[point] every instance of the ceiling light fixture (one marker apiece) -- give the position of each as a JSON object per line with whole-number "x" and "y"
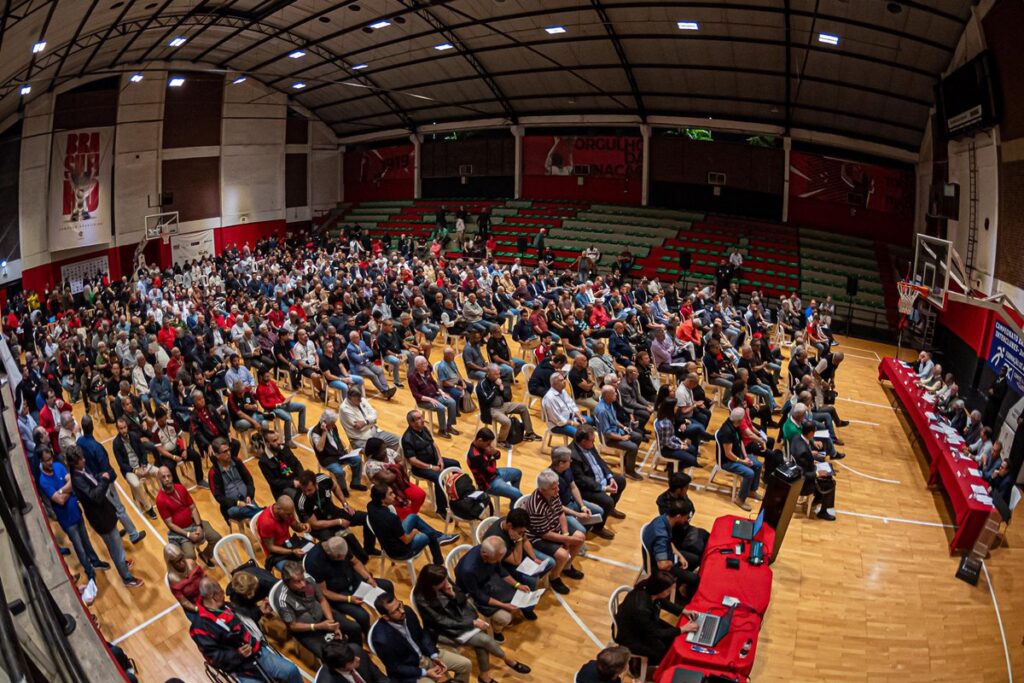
{"x": 828, "y": 39}
{"x": 135, "y": 78}
{"x": 555, "y": 30}
{"x": 240, "y": 79}
{"x": 383, "y": 23}
{"x": 178, "y": 41}
{"x": 39, "y": 47}
{"x": 443, "y": 46}
{"x": 298, "y": 86}
{"x": 357, "y": 67}
{"x": 298, "y": 54}
{"x": 176, "y": 81}
{"x": 688, "y": 25}
{"x": 26, "y": 89}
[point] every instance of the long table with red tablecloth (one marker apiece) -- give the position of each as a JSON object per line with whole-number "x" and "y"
{"x": 750, "y": 584}
{"x": 952, "y": 471}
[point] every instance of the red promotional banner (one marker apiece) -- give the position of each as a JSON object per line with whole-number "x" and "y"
{"x": 606, "y": 156}
{"x": 851, "y": 183}
{"x": 381, "y": 173}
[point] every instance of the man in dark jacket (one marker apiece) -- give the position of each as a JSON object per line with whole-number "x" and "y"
{"x": 228, "y": 645}
{"x": 231, "y": 484}
{"x": 279, "y": 466}
{"x": 817, "y": 482}
{"x": 540, "y": 380}
{"x": 91, "y": 492}
{"x": 343, "y": 661}
{"x": 595, "y": 480}
{"x": 408, "y": 651}
{"x": 496, "y": 404}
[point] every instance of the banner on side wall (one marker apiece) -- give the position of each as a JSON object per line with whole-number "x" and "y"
{"x": 1007, "y": 351}
{"x": 81, "y": 197}
{"x": 78, "y": 272}
{"x": 851, "y": 183}
{"x": 606, "y": 156}
{"x": 192, "y": 246}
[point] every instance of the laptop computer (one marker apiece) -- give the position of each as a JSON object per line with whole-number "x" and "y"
{"x": 746, "y": 530}
{"x": 711, "y": 628}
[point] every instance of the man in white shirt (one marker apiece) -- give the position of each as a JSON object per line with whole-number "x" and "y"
{"x": 142, "y": 373}
{"x": 359, "y": 420}
{"x": 561, "y": 413}
{"x": 305, "y": 356}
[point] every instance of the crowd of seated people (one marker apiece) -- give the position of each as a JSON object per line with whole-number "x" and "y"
{"x": 213, "y": 362}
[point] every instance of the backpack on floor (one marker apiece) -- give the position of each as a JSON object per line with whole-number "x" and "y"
{"x": 464, "y": 498}
{"x": 516, "y": 431}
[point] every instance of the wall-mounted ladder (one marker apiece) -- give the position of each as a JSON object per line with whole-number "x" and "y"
{"x": 972, "y": 208}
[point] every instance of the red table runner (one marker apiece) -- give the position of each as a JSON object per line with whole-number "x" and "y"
{"x": 946, "y": 467}
{"x": 750, "y": 584}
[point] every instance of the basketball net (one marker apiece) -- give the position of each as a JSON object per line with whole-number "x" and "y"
{"x": 909, "y": 292}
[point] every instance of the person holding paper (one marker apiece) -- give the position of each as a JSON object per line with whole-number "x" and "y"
{"x": 818, "y": 482}
{"x": 549, "y": 531}
{"x": 321, "y": 504}
{"x": 306, "y": 612}
{"x": 485, "y": 578}
{"x": 345, "y": 582}
{"x": 448, "y": 611}
{"x": 512, "y": 529}
{"x": 408, "y": 651}
{"x": 274, "y": 526}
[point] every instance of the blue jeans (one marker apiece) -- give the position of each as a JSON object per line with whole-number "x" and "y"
{"x": 506, "y": 484}
{"x": 112, "y": 539}
{"x": 243, "y": 512}
{"x": 343, "y": 387}
{"x": 512, "y": 371}
{"x": 395, "y": 362}
{"x": 433, "y": 476}
{"x": 751, "y": 475}
{"x": 429, "y": 330}
{"x": 245, "y": 425}
{"x": 765, "y": 393}
{"x": 276, "y": 667}
{"x": 532, "y": 581}
{"x": 284, "y": 410}
{"x": 79, "y": 537}
{"x": 686, "y": 458}
{"x": 447, "y": 407}
{"x": 354, "y": 463}
{"x": 577, "y": 525}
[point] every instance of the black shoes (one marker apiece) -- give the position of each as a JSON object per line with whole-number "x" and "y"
{"x": 556, "y": 585}
{"x": 572, "y": 573}
{"x": 837, "y": 456}
{"x": 823, "y": 514}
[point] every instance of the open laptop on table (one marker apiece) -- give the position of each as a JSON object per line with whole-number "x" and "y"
{"x": 745, "y": 530}
{"x": 711, "y": 628}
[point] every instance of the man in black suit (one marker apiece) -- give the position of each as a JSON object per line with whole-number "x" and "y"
{"x": 409, "y": 652}
{"x": 595, "y": 480}
{"x": 608, "y": 667}
{"x": 347, "y": 663}
{"x": 819, "y": 483}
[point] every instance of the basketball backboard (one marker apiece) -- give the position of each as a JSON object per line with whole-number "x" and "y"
{"x": 161, "y": 224}
{"x": 933, "y": 260}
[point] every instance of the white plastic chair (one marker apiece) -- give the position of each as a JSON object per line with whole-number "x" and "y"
{"x": 546, "y": 445}
{"x": 521, "y": 503}
{"x": 369, "y": 638}
{"x": 613, "y": 606}
{"x": 645, "y": 555}
{"x": 717, "y": 469}
{"x": 453, "y": 557}
{"x": 385, "y": 558}
{"x": 482, "y": 527}
{"x": 227, "y": 555}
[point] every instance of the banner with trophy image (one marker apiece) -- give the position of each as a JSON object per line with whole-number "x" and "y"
{"x": 81, "y": 197}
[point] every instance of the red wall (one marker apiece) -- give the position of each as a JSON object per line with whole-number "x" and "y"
{"x": 821, "y": 195}
{"x": 973, "y": 324}
{"x": 379, "y": 173}
{"x": 47, "y": 275}
{"x": 616, "y": 167}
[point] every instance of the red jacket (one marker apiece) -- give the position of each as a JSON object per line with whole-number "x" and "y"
{"x": 269, "y": 395}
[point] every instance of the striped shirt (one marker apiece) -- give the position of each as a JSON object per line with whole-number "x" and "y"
{"x": 545, "y": 515}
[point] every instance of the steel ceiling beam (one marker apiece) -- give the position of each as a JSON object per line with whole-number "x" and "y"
{"x": 125, "y": 8}
{"x": 609, "y": 28}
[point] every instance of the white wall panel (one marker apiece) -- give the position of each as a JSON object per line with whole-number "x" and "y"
{"x": 324, "y": 178}
{"x": 33, "y": 185}
{"x": 252, "y": 184}
{"x": 137, "y": 164}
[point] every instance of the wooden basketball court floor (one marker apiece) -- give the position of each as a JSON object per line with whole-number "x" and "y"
{"x": 870, "y": 597}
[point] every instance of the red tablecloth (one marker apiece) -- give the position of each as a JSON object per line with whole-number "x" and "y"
{"x": 750, "y": 584}
{"x": 946, "y": 467}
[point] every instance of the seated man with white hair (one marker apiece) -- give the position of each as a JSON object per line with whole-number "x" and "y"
{"x": 450, "y": 378}
{"x": 360, "y": 360}
{"x": 483, "y": 576}
{"x": 561, "y": 413}
{"x": 306, "y": 612}
{"x": 359, "y": 419}
{"x": 616, "y": 434}
{"x": 428, "y": 396}
{"x": 549, "y": 530}
{"x": 332, "y": 453}
{"x": 734, "y": 458}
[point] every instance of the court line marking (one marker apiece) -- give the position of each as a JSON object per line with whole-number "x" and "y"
{"x": 857, "y": 348}
{"x": 847, "y": 354}
{"x": 148, "y": 622}
{"x": 144, "y": 518}
{"x": 895, "y": 519}
{"x": 863, "y": 422}
{"x": 579, "y": 622}
{"x": 865, "y": 403}
{"x": 610, "y": 561}
{"x": 868, "y": 476}
{"x": 999, "y": 620}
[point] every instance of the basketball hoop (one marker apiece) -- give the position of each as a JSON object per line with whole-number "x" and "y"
{"x": 909, "y": 292}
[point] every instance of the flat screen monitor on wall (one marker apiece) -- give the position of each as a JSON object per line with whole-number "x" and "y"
{"x": 968, "y": 99}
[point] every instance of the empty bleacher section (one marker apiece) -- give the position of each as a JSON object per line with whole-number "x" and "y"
{"x": 777, "y": 259}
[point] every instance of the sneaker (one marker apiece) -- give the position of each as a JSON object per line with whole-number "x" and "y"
{"x": 151, "y": 513}
{"x": 531, "y": 437}
{"x": 447, "y": 539}
{"x": 742, "y": 505}
{"x": 139, "y": 537}
{"x": 134, "y": 583}
{"x": 572, "y": 573}
{"x": 559, "y": 587}
{"x": 838, "y": 455}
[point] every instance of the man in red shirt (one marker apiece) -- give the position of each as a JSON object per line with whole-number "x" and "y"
{"x": 274, "y": 526}
{"x": 167, "y": 336}
{"x": 271, "y": 398}
{"x": 49, "y": 415}
{"x": 184, "y": 525}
